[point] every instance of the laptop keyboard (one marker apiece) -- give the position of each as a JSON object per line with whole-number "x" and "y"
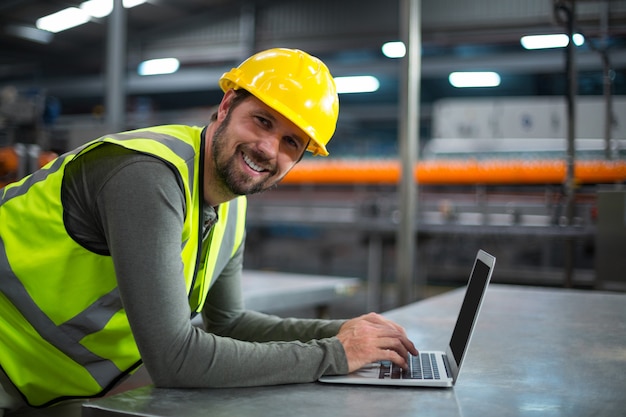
{"x": 422, "y": 366}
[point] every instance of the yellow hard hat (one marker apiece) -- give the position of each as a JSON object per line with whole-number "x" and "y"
{"x": 295, "y": 84}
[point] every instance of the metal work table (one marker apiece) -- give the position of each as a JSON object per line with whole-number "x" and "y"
{"x": 552, "y": 352}
{"x": 275, "y": 291}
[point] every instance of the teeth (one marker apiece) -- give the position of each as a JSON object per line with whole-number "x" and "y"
{"x": 252, "y": 164}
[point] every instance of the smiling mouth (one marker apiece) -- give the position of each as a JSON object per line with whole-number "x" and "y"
{"x": 251, "y": 164}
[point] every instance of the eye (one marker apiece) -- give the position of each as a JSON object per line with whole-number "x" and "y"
{"x": 292, "y": 142}
{"x": 263, "y": 121}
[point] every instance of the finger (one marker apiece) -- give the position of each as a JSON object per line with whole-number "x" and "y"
{"x": 401, "y": 345}
{"x": 411, "y": 347}
{"x": 402, "y": 333}
{"x": 394, "y": 345}
{"x": 396, "y": 358}
{"x": 396, "y": 333}
{"x": 400, "y": 336}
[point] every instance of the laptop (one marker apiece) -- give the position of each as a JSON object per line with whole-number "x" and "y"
{"x": 433, "y": 368}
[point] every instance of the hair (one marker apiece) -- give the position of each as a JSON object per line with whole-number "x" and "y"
{"x": 240, "y": 96}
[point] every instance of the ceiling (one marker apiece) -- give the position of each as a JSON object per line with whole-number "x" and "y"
{"x": 79, "y": 50}
{"x": 210, "y": 36}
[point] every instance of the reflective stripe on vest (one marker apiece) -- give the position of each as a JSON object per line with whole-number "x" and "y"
{"x": 232, "y": 216}
{"x": 49, "y": 356}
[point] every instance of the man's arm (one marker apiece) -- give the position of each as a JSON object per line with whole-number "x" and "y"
{"x": 224, "y": 314}
{"x": 365, "y": 339}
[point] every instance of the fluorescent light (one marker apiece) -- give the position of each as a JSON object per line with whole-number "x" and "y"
{"x": 356, "y": 84}
{"x": 474, "y": 79}
{"x": 132, "y": 3}
{"x": 74, "y": 16}
{"x": 394, "y": 49}
{"x": 578, "y": 39}
{"x": 103, "y": 8}
{"x": 62, "y": 20}
{"x": 158, "y": 66}
{"x": 97, "y": 8}
{"x": 557, "y": 40}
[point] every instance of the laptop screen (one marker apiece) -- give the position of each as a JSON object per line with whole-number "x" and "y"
{"x": 469, "y": 309}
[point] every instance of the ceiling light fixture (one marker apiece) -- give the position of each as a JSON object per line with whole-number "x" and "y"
{"x": 158, "y": 66}
{"x": 474, "y": 79}
{"x": 394, "y": 49}
{"x": 75, "y": 16}
{"x": 63, "y": 20}
{"x": 556, "y": 40}
{"x": 357, "y": 84}
{"x": 132, "y": 3}
{"x": 97, "y": 8}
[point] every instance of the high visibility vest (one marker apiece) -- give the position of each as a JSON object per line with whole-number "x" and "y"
{"x": 63, "y": 331}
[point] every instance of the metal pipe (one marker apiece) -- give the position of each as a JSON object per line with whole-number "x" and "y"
{"x": 607, "y": 83}
{"x": 374, "y": 272}
{"x": 410, "y": 25}
{"x": 247, "y": 29}
{"x": 568, "y": 8}
{"x": 115, "y": 96}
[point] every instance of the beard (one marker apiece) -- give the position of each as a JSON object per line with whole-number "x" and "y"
{"x": 229, "y": 179}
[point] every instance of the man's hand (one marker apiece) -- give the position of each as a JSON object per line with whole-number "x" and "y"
{"x": 372, "y": 338}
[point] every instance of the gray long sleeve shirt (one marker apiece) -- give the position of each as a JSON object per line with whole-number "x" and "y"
{"x": 131, "y": 206}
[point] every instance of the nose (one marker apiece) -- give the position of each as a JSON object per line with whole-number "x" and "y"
{"x": 269, "y": 145}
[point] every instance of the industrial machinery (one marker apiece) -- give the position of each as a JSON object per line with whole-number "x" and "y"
{"x": 24, "y": 117}
{"x": 504, "y": 194}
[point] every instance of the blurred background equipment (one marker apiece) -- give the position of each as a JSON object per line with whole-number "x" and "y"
{"x": 24, "y": 121}
{"x": 521, "y": 145}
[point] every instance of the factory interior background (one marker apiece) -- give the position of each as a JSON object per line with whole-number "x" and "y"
{"x": 492, "y": 161}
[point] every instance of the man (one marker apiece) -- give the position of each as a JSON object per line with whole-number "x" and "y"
{"x": 107, "y": 251}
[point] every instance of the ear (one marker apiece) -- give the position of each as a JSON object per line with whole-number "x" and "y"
{"x": 224, "y": 106}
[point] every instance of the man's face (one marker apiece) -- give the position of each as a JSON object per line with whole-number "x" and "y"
{"x": 254, "y": 147}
